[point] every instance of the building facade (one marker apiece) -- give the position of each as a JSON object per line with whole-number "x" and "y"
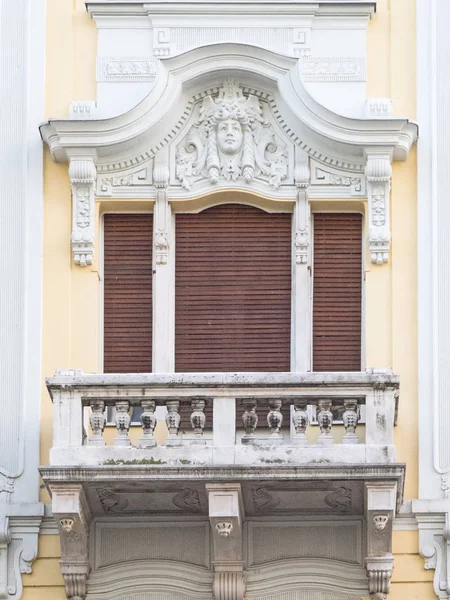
{"x": 225, "y": 321}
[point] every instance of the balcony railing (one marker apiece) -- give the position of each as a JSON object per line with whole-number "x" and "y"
{"x": 224, "y": 418}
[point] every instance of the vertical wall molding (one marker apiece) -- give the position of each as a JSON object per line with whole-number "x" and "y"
{"x": 432, "y": 509}
{"x": 22, "y": 63}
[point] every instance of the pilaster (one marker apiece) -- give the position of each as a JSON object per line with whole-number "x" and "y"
{"x": 301, "y": 266}
{"x": 82, "y": 173}
{"x": 163, "y": 272}
{"x": 378, "y": 177}
{"x": 22, "y": 63}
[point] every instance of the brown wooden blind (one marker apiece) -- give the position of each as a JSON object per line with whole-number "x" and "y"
{"x": 337, "y": 292}
{"x": 233, "y": 290}
{"x": 128, "y": 293}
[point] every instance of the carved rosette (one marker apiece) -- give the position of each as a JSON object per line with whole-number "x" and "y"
{"x": 82, "y": 175}
{"x": 378, "y": 175}
{"x": 231, "y": 141}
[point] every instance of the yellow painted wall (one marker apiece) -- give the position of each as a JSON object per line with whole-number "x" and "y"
{"x": 71, "y": 294}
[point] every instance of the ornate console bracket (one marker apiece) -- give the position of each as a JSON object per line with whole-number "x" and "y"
{"x": 82, "y": 173}
{"x": 19, "y": 530}
{"x": 380, "y": 507}
{"x": 226, "y": 517}
{"x": 378, "y": 176}
{"x": 72, "y": 514}
{"x": 433, "y": 518}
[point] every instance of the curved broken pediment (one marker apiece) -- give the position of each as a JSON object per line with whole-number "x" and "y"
{"x": 229, "y": 116}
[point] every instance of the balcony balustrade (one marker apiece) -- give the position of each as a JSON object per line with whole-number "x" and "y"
{"x": 225, "y": 419}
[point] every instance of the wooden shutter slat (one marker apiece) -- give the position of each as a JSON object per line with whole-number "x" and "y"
{"x": 127, "y": 331}
{"x": 337, "y": 305}
{"x": 233, "y": 290}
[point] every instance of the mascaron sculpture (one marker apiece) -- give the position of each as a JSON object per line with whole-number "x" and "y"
{"x": 231, "y": 140}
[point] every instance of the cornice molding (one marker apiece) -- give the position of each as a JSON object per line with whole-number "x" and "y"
{"x": 311, "y": 8}
{"x": 149, "y": 124}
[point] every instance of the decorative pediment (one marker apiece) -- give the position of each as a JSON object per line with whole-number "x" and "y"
{"x": 230, "y": 116}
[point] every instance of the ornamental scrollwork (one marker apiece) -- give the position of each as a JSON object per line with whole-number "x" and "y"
{"x": 231, "y": 140}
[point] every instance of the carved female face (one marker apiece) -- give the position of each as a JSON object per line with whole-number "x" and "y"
{"x": 229, "y": 136}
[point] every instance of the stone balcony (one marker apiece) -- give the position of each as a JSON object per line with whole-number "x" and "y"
{"x": 224, "y": 419}
{"x": 232, "y": 455}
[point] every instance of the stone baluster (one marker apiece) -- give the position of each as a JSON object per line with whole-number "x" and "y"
{"x": 350, "y": 418}
{"x": 198, "y": 418}
{"x": 300, "y": 421}
{"x": 325, "y": 420}
{"x": 250, "y": 421}
{"x": 173, "y": 422}
{"x": 275, "y": 419}
{"x": 97, "y": 421}
{"x": 148, "y": 422}
{"x": 122, "y": 423}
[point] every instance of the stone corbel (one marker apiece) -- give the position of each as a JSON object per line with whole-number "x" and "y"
{"x": 433, "y": 518}
{"x": 82, "y": 173}
{"x": 378, "y": 177}
{"x": 19, "y": 530}
{"x": 380, "y": 504}
{"x": 71, "y": 512}
{"x": 226, "y": 516}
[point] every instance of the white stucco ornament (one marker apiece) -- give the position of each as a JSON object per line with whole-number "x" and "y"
{"x": 231, "y": 141}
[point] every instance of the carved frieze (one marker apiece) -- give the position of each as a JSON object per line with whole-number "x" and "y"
{"x": 231, "y": 140}
{"x": 188, "y": 500}
{"x": 346, "y": 183}
{"x": 118, "y": 69}
{"x": 107, "y": 184}
{"x": 332, "y": 69}
{"x": 110, "y": 501}
{"x": 340, "y": 499}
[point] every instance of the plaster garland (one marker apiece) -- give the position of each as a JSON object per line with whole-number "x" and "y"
{"x": 82, "y": 174}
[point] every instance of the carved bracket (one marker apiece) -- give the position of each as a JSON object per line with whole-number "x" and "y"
{"x": 226, "y": 516}
{"x": 433, "y": 518}
{"x": 19, "y": 530}
{"x": 380, "y": 507}
{"x": 378, "y": 176}
{"x": 82, "y": 175}
{"x": 72, "y": 514}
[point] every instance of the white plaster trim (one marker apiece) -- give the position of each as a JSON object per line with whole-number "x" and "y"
{"x": 165, "y": 104}
{"x": 333, "y": 69}
{"x": 132, "y": 69}
{"x": 348, "y": 8}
